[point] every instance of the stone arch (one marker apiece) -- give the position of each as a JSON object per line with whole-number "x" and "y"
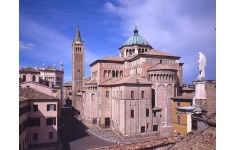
{"x": 113, "y": 73}
{"x": 142, "y": 50}
{"x": 151, "y": 77}
{"x": 155, "y": 77}
{"x": 105, "y": 73}
{"x": 109, "y": 73}
{"x": 121, "y": 73}
{"x": 117, "y": 73}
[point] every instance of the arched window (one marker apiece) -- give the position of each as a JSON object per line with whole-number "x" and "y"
{"x": 24, "y": 78}
{"x": 33, "y": 78}
{"x": 121, "y": 73}
{"x": 109, "y": 73}
{"x": 117, "y": 73}
{"x": 105, "y": 73}
{"x": 113, "y": 73}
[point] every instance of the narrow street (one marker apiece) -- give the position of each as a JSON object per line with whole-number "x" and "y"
{"x": 74, "y": 135}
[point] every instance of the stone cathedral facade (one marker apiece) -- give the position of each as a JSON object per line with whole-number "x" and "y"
{"x": 130, "y": 93}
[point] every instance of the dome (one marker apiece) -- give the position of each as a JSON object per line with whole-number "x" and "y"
{"x": 136, "y": 39}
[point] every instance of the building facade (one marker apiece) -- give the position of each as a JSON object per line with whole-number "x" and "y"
{"x": 38, "y": 119}
{"x": 131, "y": 93}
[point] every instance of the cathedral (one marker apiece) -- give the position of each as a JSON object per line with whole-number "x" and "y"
{"x": 130, "y": 93}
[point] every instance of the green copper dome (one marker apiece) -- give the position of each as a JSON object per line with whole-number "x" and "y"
{"x": 136, "y": 39}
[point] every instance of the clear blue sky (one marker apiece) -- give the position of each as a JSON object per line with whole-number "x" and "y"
{"x": 182, "y": 28}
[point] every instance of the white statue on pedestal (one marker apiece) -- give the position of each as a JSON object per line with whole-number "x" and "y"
{"x": 201, "y": 65}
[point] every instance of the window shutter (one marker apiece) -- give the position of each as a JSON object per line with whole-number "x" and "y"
{"x": 54, "y": 107}
{"x": 47, "y": 107}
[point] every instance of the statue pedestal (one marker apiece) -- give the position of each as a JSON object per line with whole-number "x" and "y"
{"x": 200, "y": 90}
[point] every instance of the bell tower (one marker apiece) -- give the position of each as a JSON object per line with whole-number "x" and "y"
{"x": 77, "y": 68}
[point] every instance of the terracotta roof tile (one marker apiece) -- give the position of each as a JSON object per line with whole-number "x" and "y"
{"x": 164, "y": 67}
{"x": 110, "y": 81}
{"x": 133, "y": 79}
{"x": 34, "y": 94}
{"x": 115, "y": 58}
{"x": 210, "y": 96}
{"x": 158, "y": 52}
{"x": 186, "y": 88}
{"x": 150, "y": 144}
{"x": 205, "y": 140}
{"x": 29, "y": 69}
{"x": 185, "y": 96}
{"x": 22, "y": 98}
{"x": 67, "y": 84}
{"x": 93, "y": 81}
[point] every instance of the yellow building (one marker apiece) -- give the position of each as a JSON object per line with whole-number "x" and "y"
{"x": 182, "y": 117}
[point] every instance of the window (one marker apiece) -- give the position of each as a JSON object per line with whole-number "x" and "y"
{"x": 35, "y": 107}
{"x": 178, "y": 119}
{"x": 50, "y": 135}
{"x": 147, "y": 112}
{"x": 70, "y": 93}
{"x": 24, "y": 78}
{"x": 178, "y": 103}
{"x": 142, "y": 94}
{"x": 191, "y": 104}
{"x": 51, "y": 121}
{"x": 51, "y": 107}
{"x": 142, "y": 129}
{"x": 33, "y": 78}
{"x": 155, "y": 127}
{"x": 35, "y": 136}
{"x": 154, "y": 114}
{"x": 107, "y": 93}
{"x": 107, "y": 121}
{"x": 132, "y": 94}
{"x": 132, "y": 113}
{"x": 34, "y": 122}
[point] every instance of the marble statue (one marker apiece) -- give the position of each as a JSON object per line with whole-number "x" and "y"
{"x": 201, "y": 65}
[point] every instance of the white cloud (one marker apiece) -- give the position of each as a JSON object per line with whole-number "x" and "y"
{"x": 27, "y": 46}
{"x": 182, "y": 29}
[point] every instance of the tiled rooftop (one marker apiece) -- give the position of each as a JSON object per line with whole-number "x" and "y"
{"x": 210, "y": 97}
{"x": 67, "y": 84}
{"x": 133, "y": 79}
{"x": 34, "y": 94}
{"x": 164, "y": 67}
{"x": 185, "y": 96}
{"x": 115, "y": 58}
{"x": 110, "y": 81}
{"x": 205, "y": 140}
{"x": 93, "y": 81}
{"x": 29, "y": 69}
{"x": 158, "y": 52}
{"x": 163, "y": 142}
{"x": 22, "y": 98}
